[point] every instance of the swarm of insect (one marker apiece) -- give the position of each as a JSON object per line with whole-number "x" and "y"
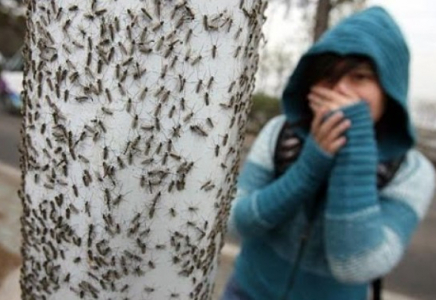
{"x": 126, "y": 108}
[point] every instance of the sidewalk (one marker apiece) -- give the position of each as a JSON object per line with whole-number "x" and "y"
{"x": 10, "y": 211}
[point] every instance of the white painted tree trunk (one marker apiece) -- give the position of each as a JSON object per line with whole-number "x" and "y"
{"x": 134, "y": 115}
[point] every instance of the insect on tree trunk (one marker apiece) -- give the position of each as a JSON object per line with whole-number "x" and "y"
{"x": 134, "y": 115}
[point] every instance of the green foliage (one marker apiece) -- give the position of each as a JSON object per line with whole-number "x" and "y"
{"x": 263, "y": 108}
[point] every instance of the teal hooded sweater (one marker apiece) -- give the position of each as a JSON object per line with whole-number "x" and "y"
{"x": 360, "y": 233}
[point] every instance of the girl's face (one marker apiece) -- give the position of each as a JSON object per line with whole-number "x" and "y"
{"x": 363, "y": 81}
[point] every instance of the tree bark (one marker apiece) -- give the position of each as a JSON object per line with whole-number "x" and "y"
{"x": 134, "y": 114}
{"x": 322, "y": 18}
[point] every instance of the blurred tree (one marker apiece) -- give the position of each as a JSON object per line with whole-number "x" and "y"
{"x": 322, "y": 18}
{"x": 307, "y": 20}
{"x": 324, "y": 10}
{"x": 12, "y": 26}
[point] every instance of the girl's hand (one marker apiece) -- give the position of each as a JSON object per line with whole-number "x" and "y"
{"x": 328, "y": 133}
{"x": 332, "y": 99}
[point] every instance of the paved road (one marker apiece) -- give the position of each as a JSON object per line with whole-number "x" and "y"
{"x": 416, "y": 274}
{"x": 414, "y": 277}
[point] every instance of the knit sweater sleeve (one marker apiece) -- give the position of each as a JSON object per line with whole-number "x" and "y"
{"x": 366, "y": 230}
{"x": 263, "y": 202}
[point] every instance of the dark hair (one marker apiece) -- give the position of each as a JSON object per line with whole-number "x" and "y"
{"x": 331, "y": 67}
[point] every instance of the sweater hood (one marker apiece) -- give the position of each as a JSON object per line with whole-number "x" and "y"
{"x": 374, "y": 34}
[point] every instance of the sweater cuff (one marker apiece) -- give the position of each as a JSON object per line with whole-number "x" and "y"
{"x": 353, "y": 181}
{"x": 359, "y": 114}
{"x": 360, "y": 137}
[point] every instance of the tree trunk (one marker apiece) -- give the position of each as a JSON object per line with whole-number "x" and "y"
{"x": 322, "y": 18}
{"x": 134, "y": 115}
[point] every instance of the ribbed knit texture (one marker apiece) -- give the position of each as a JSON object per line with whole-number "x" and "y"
{"x": 273, "y": 204}
{"x": 354, "y": 175}
{"x": 372, "y": 33}
{"x": 359, "y": 235}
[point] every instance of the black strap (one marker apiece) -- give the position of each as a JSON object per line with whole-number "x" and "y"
{"x": 385, "y": 173}
{"x": 281, "y": 164}
{"x": 377, "y": 286}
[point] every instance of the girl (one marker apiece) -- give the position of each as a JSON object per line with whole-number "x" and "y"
{"x": 333, "y": 190}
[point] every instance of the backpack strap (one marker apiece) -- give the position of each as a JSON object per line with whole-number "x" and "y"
{"x": 377, "y": 287}
{"x": 386, "y": 171}
{"x": 281, "y": 163}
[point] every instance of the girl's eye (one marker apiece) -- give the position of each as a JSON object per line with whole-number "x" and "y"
{"x": 361, "y": 76}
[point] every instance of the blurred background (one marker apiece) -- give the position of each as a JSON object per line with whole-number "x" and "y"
{"x": 291, "y": 27}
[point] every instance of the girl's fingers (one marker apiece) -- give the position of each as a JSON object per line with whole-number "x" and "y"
{"x": 319, "y": 113}
{"x": 329, "y": 98}
{"x": 325, "y": 93}
{"x": 326, "y": 127}
{"x": 336, "y": 145}
{"x": 316, "y": 107}
{"x": 337, "y": 131}
{"x": 331, "y": 95}
{"x": 348, "y": 92}
{"x": 313, "y": 106}
{"x": 315, "y": 99}
{"x": 328, "y": 134}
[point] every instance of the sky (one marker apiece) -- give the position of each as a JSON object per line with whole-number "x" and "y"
{"x": 418, "y": 21}
{"x": 416, "y": 18}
